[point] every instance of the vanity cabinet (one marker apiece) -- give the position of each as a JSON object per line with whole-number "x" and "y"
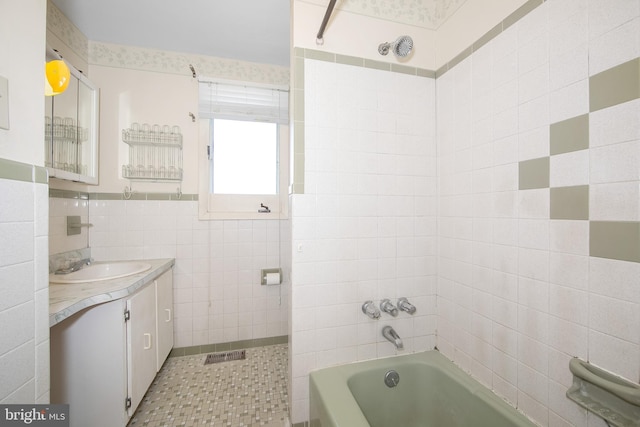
{"x": 104, "y": 358}
{"x": 164, "y": 321}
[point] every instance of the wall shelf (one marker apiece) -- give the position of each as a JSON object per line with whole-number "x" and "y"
{"x": 155, "y": 153}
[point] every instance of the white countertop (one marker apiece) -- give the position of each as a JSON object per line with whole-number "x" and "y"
{"x": 65, "y": 300}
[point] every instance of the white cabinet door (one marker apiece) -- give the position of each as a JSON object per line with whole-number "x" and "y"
{"x": 141, "y": 345}
{"x": 164, "y": 307}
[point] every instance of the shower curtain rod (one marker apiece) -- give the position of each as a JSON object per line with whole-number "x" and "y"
{"x": 325, "y": 20}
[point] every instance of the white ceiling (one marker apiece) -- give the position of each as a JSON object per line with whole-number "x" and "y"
{"x": 247, "y": 30}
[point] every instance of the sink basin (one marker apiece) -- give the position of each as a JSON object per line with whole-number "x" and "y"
{"x": 101, "y": 271}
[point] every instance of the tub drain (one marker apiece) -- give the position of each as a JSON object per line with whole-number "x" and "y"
{"x": 391, "y": 378}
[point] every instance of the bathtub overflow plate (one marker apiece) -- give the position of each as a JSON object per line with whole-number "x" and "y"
{"x": 391, "y": 378}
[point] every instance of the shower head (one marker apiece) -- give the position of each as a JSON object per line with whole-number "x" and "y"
{"x": 401, "y": 47}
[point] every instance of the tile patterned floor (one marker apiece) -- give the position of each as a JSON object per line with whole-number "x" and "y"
{"x": 250, "y": 392}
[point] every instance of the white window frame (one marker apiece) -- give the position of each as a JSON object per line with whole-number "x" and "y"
{"x": 241, "y": 206}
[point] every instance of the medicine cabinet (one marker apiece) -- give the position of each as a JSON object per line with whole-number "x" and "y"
{"x": 71, "y": 131}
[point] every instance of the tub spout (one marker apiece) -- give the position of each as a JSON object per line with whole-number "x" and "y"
{"x": 392, "y": 336}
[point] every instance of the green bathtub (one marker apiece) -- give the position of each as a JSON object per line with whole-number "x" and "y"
{"x": 431, "y": 392}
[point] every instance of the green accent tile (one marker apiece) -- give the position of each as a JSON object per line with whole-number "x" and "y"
{"x": 176, "y": 352}
{"x": 298, "y": 138}
{"x": 106, "y": 196}
{"x": 422, "y": 72}
{"x": 183, "y": 197}
{"x": 237, "y": 345}
{"x": 223, "y": 346}
{"x": 189, "y": 351}
{"x": 440, "y": 71}
{"x": 158, "y": 196}
{"x": 319, "y": 55}
{"x": 298, "y": 74}
{"x": 377, "y": 65}
{"x": 298, "y": 104}
{"x": 570, "y": 202}
{"x": 461, "y": 57}
{"x": 302, "y": 424}
{"x": 487, "y": 37}
{"x": 283, "y": 339}
{"x": 41, "y": 175}
{"x": 520, "y": 13}
{"x": 533, "y": 173}
{"x": 298, "y": 52}
{"x": 404, "y": 69}
{"x": 68, "y": 194}
{"x": 350, "y": 60}
{"x": 16, "y": 171}
{"x": 138, "y": 196}
{"x": 615, "y": 240}
{"x": 296, "y": 188}
{"x": 569, "y": 135}
{"x": 615, "y": 85}
{"x": 209, "y": 348}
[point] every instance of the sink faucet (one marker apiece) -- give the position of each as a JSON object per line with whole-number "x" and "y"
{"x": 74, "y": 266}
{"x": 392, "y": 336}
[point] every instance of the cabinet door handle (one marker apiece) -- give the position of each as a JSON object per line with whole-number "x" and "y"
{"x": 168, "y": 311}
{"x": 148, "y": 341}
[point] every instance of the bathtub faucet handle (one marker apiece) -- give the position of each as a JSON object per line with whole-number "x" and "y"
{"x": 387, "y": 306}
{"x": 405, "y": 305}
{"x": 370, "y": 309}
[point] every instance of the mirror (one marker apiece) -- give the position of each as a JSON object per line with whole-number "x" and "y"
{"x": 71, "y": 131}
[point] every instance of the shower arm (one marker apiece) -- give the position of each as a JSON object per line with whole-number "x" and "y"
{"x": 325, "y": 20}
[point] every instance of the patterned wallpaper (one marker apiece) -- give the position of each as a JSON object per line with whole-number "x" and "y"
{"x": 59, "y": 25}
{"x": 428, "y": 14}
{"x": 138, "y": 58}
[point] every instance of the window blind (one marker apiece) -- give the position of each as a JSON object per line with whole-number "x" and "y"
{"x": 243, "y": 102}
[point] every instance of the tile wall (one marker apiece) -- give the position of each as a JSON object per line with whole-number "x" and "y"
{"x": 539, "y": 205}
{"x": 217, "y": 293}
{"x": 365, "y": 227}
{"x": 61, "y": 205}
{"x": 24, "y": 349}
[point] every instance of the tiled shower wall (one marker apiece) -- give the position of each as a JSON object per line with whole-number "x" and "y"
{"x": 539, "y": 206}
{"x": 217, "y": 293}
{"x": 365, "y": 227}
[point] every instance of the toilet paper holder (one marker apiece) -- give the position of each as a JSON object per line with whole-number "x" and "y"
{"x": 270, "y": 273}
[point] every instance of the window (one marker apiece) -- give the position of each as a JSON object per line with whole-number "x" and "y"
{"x": 244, "y": 138}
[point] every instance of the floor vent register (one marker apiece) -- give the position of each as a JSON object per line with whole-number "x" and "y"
{"x": 225, "y": 356}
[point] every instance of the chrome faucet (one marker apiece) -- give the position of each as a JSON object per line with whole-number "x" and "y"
{"x": 370, "y": 309}
{"x": 392, "y": 336}
{"x": 74, "y": 266}
{"x": 387, "y": 306}
{"x": 405, "y": 305}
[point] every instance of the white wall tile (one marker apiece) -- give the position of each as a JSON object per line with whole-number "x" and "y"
{"x": 604, "y": 18}
{"x": 615, "y": 163}
{"x": 615, "y": 124}
{"x": 569, "y": 169}
{"x": 569, "y": 236}
{"x": 614, "y": 202}
{"x": 615, "y": 47}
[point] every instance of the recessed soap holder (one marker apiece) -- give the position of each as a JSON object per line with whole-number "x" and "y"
{"x": 608, "y": 396}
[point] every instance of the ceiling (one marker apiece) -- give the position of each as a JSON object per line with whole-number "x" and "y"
{"x": 247, "y": 30}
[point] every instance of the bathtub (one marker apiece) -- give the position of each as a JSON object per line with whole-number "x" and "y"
{"x": 431, "y": 392}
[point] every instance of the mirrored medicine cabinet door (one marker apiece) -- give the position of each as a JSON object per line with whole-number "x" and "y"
{"x": 71, "y": 131}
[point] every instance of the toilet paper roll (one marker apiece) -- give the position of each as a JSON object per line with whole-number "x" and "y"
{"x": 273, "y": 278}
